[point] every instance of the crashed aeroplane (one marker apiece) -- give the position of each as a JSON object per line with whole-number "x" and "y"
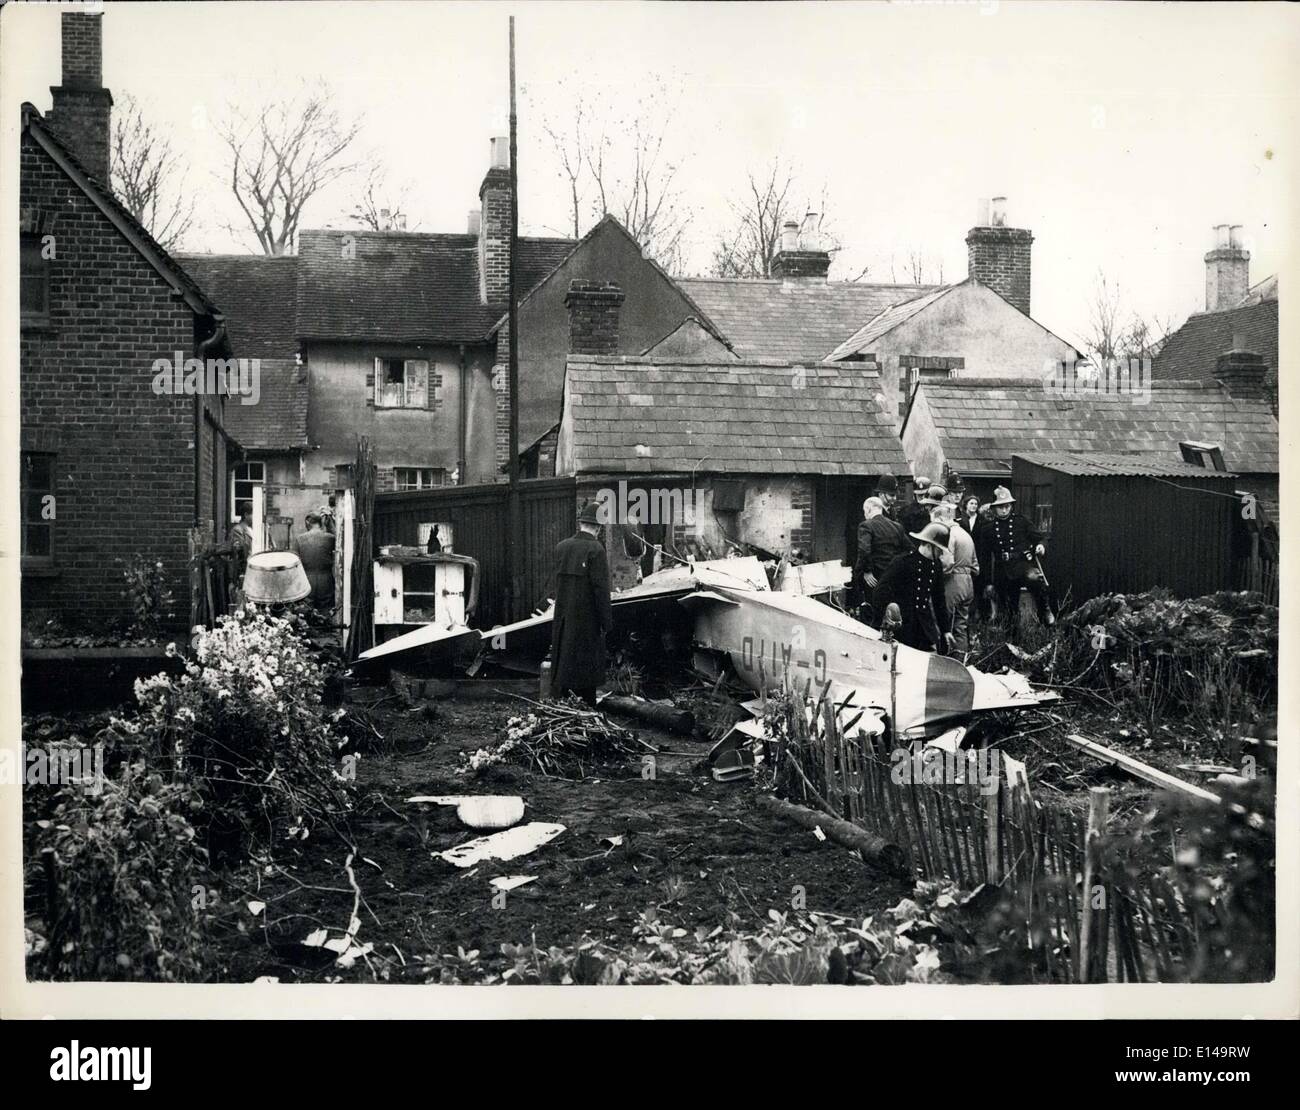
{"x": 772, "y": 639}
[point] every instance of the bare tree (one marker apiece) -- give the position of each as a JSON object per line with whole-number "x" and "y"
{"x": 747, "y": 247}
{"x": 916, "y": 268}
{"x": 616, "y": 160}
{"x": 1120, "y": 333}
{"x": 145, "y": 176}
{"x": 770, "y": 198}
{"x": 379, "y": 205}
{"x": 282, "y": 156}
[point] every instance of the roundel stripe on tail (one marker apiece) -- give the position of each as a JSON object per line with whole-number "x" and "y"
{"x": 949, "y": 688}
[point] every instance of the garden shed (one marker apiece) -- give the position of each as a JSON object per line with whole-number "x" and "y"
{"x": 1126, "y": 523}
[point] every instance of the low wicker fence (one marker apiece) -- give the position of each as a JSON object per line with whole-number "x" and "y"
{"x": 1090, "y": 919}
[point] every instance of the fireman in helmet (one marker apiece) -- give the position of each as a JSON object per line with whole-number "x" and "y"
{"x": 914, "y": 582}
{"x": 1008, "y": 549}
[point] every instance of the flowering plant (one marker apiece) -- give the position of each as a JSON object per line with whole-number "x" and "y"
{"x": 246, "y": 721}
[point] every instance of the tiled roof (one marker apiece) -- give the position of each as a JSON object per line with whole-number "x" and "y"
{"x": 257, "y": 294}
{"x": 799, "y": 320}
{"x": 641, "y": 415}
{"x": 887, "y": 321}
{"x": 403, "y": 286}
{"x": 981, "y": 423}
{"x": 278, "y": 421}
{"x": 1191, "y": 351}
{"x": 1100, "y": 464}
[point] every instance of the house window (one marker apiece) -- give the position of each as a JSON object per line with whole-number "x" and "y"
{"x": 37, "y": 493}
{"x": 418, "y": 477}
{"x": 33, "y": 282}
{"x": 401, "y": 383}
{"x": 246, "y": 478}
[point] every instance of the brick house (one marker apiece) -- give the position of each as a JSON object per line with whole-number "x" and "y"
{"x": 766, "y": 453}
{"x": 110, "y": 467}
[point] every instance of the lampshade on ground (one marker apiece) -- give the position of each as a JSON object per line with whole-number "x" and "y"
{"x": 275, "y": 578}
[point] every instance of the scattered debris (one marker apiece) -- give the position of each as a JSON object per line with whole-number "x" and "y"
{"x": 479, "y": 811}
{"x": 507, "y": 845}
{"x": 561, "y": 739}
{"x": 512, "y": 882}
{"x": 1139, "y": 769}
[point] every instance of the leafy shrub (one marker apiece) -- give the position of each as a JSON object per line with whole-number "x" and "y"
{"x": 153, "y": 604}
{"x": 124, "y": 865}
{"x": 246, "y": 724}
{"x": 1207, "y": 656}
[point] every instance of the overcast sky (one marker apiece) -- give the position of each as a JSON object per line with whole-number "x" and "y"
{"x": 1119, "y": 132}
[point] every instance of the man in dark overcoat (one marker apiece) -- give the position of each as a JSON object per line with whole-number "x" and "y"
{"x": 914, "y": 582}
{"x": 880, "y": 541}
{"x": 583, "y": 616}
{"x": 1007, "y": 548}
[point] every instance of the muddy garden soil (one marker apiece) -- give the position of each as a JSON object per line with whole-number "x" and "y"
{"x": 697, "y": 849}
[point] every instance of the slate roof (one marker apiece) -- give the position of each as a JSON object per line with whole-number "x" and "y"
{"x": 798, "y": 320}
{"x": 861, "y": 340}
{"x": 257, "y": 293}
{"x": 404, "y": 286}
{"x": 981, "y": 423}
{"x": 1191, "y": 351}
{"x": 1099, "y": 464}
{"x": 278, "y": 422}
{"x": 642, "y": 415}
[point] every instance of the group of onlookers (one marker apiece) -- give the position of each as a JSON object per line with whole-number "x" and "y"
{"x": 944, "y": 559}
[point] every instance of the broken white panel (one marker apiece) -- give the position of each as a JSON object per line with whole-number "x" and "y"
{"x": 507, "y": 845}
{"x": 815, "y": 578}
{"x": 512, "y": 882}
{"x": 479, "y": 811}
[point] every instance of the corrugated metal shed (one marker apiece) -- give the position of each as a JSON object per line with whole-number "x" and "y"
{"x": 1117, "y": 524}
{"x": 1100, "y": 464}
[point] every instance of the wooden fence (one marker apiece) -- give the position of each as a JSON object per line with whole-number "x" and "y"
{"x": 1085, "y": 916}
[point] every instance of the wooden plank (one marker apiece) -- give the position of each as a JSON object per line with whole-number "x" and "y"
{"x": 1139, "y": 769}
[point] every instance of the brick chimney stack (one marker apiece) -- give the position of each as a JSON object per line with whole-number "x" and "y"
{"x": 82, "y": 106}
{"x": 593, "y": 317}
{"x": 1227, "y": 269}
{"x": 801, "y": 253}
{"x": 1243, "y": 373}
{"x": 496, "y": 207}
{"x": 999, "y": 256}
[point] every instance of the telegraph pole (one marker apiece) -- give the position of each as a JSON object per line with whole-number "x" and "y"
{"x": 514, "y": 540}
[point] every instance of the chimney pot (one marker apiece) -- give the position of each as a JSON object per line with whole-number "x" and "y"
{"x": 790, "y": 236}
{"x": 500, "y": 152}
{"x": 809, "y": 236}
{"x": 999, "y": 212}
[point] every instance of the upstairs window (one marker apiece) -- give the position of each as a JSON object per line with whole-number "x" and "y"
{"x": 401, "y": 383}
{"x": 33, "y": 282}
{"x": 418, "y": 477}
{"x": 38, "y": 506}
{"x": 1208, "y": 455}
